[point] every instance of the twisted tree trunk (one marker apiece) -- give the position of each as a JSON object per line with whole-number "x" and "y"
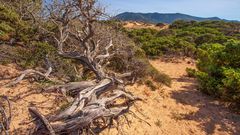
{"x": 90, "y": 105}
{"x": 93, "y": 100}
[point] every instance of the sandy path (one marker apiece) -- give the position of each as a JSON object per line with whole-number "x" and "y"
{"x": 179, "y": 110}
{"x": 198, "y": 113}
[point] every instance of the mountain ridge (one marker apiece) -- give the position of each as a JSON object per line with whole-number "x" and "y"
{"x": 163, "y": 17}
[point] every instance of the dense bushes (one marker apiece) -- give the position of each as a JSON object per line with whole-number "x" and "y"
{"x": 184, "y": 37}
{"x": 21, "y": 43}
{"x": 219, "y": 70}
{"x": 215, "y": 44}
{"x": 12, "y": 26}
{"x": 8, "y": 26}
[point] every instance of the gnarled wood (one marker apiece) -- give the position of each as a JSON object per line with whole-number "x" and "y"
{"x": 43, "y": 120}
{"x": 72, "y": 87}
{"x": 83, "y": 97}
{"x": 82, "y": 114}
{"x": 93, "y": 100}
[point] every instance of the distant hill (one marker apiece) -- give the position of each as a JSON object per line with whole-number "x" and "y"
{"x": 161, "y": 17}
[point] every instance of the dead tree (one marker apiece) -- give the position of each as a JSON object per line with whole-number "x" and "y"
{"x": 95, "y": 102}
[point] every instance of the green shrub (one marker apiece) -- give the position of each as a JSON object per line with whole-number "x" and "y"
{"x": 219, "y": 70}
{"x": 35, "y": 53}
{"x": 184, "y": 37}
{"x": 158, "y": 76}
{"x": 14, "y": 26}
{"x": 231, "y": 84}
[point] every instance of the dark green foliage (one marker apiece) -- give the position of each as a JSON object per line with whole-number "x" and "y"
{"x": 179, "y": 24}
{"x": 32, "y": 51}
{"x": 35, "y": 53}
{"x": 219, "y": 73}
{"x": 184, "y": 37}
{"x": 13, "y": 26}
{"x": 9, "y": 20}
{"x": 142, "y": 35}
{"x": 146, "y": 70}
{"x": 191, "y": 72}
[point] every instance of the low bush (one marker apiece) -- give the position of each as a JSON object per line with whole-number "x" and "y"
{"x": 219, "y": 70}
{"x": 184, "y": 37}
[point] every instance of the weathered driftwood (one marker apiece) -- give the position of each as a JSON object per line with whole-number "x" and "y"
{"x": 90, "y": 105}
{"x": 95, "y": 100}
{"x": 72, "y": 88}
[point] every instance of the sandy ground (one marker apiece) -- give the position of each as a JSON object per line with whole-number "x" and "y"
{"x": 140, "y": 25}
{"x": 179, "y": 110}
{"x": 25, "y": 95}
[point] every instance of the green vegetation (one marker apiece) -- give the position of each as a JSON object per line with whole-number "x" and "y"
{"x": 184, "y": 38}
{"x": 11, "y": 25}
{"x": 215, "y": 45}
{"x": 27, "y": 48}
{"x": 139, "y": 64}
{"x": 191, "y": 72}
{"x": 219, "y": 70}
{"x": 22, "y": 43}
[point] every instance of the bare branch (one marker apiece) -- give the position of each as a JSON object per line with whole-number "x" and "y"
{"x": 101, "y": 57}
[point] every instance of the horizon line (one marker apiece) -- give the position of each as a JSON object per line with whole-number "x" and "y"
{"x": 178, "y": 13}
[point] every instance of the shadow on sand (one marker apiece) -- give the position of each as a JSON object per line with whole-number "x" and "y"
{"x": 211, "y": 114}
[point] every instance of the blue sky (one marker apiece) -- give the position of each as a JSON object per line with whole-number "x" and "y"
{"x": 226, "y": 9}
